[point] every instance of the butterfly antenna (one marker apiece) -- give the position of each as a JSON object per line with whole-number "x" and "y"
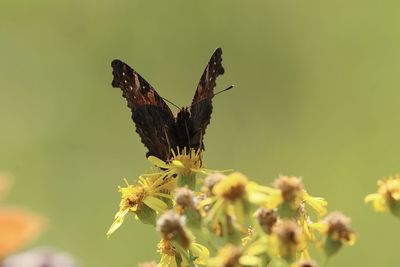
{"x": 226, "y": 89}
{"x": 211, "y": 96}
{"x": 166, "y": 100}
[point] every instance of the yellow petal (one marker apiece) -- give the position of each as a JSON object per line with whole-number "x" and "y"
{"x": 352, "y": 240}
{"x": 239, "y": 212}
{"x": 320, "y": 227}
{"x": 249, "y": 260}
{"x": 118, "y": 222}
{"x": 201, "y": 252}
{"x": 178, "y": 164}
{"x": 258, "y": 198}
{"x": 371, "y": 197}
{"x": 155, "y": 203}
{"x": 317, "y": 203}
{"x": 378, "y": 202}
{"x": 158, "y": 162}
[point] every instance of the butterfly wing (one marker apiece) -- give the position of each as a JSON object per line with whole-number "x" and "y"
{"x": 17, "y": 228}
{"x": 201, "y": 108}
{"x": 153, "y": 118}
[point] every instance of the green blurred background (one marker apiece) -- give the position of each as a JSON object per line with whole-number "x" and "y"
{"x": 317, "y": 95}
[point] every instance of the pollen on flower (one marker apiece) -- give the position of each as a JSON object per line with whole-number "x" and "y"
{"x": 131, "y": 197}
{"x": 166, "y": 248}
{"x": 187, "y": 161}
{"x": 184, "y": 165}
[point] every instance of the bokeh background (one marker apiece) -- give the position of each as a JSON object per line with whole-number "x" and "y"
{"x": 317, "y": 95}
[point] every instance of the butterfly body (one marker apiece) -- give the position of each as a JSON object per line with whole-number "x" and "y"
{"x": 159, "y": 129}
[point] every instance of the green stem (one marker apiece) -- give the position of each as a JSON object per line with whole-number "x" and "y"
{"x": 188, "y": 180}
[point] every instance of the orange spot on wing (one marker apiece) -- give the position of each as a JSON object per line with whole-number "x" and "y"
{"x": 17, "y": 228}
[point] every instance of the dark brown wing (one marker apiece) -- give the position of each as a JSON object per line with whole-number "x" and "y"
{"x": 201, "y": 108}
{"x": 153, "y": 118}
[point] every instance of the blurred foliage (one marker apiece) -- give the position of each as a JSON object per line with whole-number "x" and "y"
{"x": 317, "y": 93}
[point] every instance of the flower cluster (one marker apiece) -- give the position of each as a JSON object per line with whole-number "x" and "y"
{"x": 226, "y": 219}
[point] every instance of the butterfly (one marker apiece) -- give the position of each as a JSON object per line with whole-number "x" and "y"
{"x": 159, "y": 129}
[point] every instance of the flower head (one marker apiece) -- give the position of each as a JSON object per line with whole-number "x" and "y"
{"x": 387, "y": 197}
{"x": 267, "y": 218}
{"x": 232, "y": 188}
{"x": 143, "y": 199}
{"x": 171, "y": 226}
{"x": 168, "y": 254}
{"x": 294, "y": 196}
{"x": 172, "y": 256}
{"x": 185, "y": 198}
{"x": 286, "y": 240}
{"x": 184, "y": 164}
{"x": 337, "y": 231}
{"x": 292, "y": 189}
{"x": 232, "y": 196}
{"x": 210, "y": 181}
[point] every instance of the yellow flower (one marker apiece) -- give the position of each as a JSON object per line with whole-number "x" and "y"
{"x": 232, "y": 195}
{"x": 183, "y": 164}
{"x": 337, "y": 231}
{"x": 178, "y": 241}
{"x": 286, "y": 240}
{"x": 387, "y": 197}
{"x": 304, "y": 221}
{"x": 294, "y": 195}
{"x": 318, "y": 204}
{"x": 172, "y": 226}
{"x": 170, "y": 257}
{"x": 143, "y": 199}
{"x": 168, "y": 254}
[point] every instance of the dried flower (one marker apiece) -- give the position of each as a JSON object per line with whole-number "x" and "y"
{"x": 266, "y": 218}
